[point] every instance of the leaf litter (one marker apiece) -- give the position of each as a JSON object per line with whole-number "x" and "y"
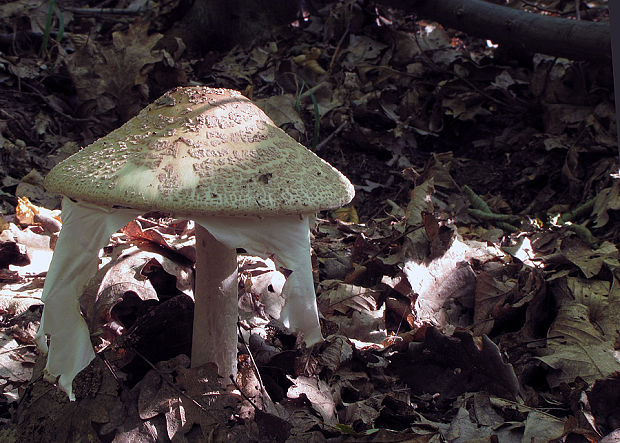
{"x": 470, "y": 292}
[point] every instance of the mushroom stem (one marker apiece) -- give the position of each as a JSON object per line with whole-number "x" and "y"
{"x": 214, "y": 336}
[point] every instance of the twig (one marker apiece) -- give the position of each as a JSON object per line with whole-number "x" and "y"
{"x": 111, "y": 369}
{"x": 540, "y": 8}
{"x": 310, "y": 91}
{"x": 173, "y": 386}
{"x": 254, "y": 365}
{"x": 108, "y": 11}
{"x": 332, "y": 135}
{"x": 407, "y": 231}
{"x": 337, "y": 50}
{"x": 23, "y": 36}
{"x": 47, "y": 101}
{"x": 465, "y": 80}
{"x": 577, "y": 10}
{"x": 528, "y": 342}
{"x": 44, "y": 393}
{"x": 232, "y": 379}
{"x": 7, "y": 351}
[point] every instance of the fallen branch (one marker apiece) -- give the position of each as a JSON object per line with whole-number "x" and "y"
{"x": 559, "y": 37}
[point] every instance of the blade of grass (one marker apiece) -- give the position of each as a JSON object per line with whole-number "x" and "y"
{"x": 48, "y": 26}
{"x": 61, "y": 24}
{"x": 315, "y": 104}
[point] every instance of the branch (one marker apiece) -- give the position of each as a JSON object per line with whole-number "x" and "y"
{"x": 560, "y": 37}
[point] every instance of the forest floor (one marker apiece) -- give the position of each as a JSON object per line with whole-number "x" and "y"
{"x": 470, "y": 292}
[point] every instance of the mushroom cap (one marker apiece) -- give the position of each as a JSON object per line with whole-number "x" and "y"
{"x": 201, "y": 151}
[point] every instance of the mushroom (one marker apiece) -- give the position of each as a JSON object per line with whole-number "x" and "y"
{"x": 199, "y": 153}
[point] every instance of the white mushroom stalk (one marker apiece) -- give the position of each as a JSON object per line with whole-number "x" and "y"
{"x": 205, "y": 154}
